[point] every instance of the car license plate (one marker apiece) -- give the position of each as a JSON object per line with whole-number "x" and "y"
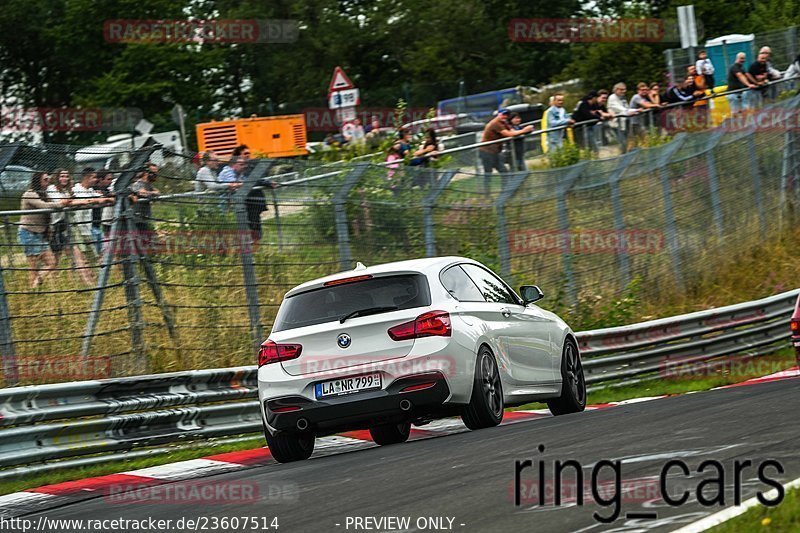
{"x": 349, "y": 385}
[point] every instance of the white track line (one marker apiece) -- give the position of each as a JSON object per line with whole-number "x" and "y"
{"x": 731, "y": 512}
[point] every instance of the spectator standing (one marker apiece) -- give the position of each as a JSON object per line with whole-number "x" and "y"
{"x": 207, "y": 175}
{"x": 518, "y": 143}
{"x": 393, "y": 159}
{"x": 584, "y": 112}
{"x": 64, "y": 236}
{"x": 103, "y": 188}
{"x": 618, "y": 106}
{"x": 738, "y": 80}
{"x": 758, "y": 74}
{"x": 88, "y": 237}
{"x": 254, "y": 202}
{"x": 641, "y": 104}
{"x": 427, "y": 151}
{"x": 682, "y": 93}
{"x": 143, "y": 189}
{"x": 705, "y": 68}
{"x": 353, "y": 132}
{"x": 497, "y": 128}
{"x": 32, "y": 232}
{"x": 403, "y": 143}
{"x": 556, "y": 118}
{"x": 701, "y": 107}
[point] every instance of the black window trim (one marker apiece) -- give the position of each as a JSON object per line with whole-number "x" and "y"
{"x": 510, "y": 290}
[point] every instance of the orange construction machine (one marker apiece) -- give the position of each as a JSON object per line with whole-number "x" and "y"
{"x": 272, "y": 137}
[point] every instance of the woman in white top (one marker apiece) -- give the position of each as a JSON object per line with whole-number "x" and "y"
{"x": 63, "y": 234}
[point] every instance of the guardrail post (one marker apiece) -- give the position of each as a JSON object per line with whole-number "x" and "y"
{"x": 340, "y": 214}
{"x": 120, "y": 190}
{"x": 713, "y": 182}
{"x": 9, "y": 240}
{"x": 757, "y": 191}
{"x": 246, "y": 239}
{"x": 427, "y": 211}
{"x": 563, "y": 226}
{"x": 10, "y": 368}
{"x": 619, "y": 219}
{"x": 504, "y": 247}
{"x": 669, "y": 213}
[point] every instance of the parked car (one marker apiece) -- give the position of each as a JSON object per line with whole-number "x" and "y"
{"x": 14, "y": 180}
{"x": 404, "y": 343}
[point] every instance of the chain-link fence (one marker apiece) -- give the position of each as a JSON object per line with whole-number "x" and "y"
{"x": 187, "y": 278}
{"x": 783, "y": 43}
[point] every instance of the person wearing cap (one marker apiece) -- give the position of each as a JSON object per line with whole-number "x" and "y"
{"x": 497, "y": 128}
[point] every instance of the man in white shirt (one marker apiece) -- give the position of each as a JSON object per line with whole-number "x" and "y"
{"x": 353, "y": 132}
{"x": 83, "y": 217}
{"x": 618, "y": 106}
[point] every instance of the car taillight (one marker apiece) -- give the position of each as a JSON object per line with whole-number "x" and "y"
{"x": 795, "y": 326}
{"x": 430, "y": 324}
{"x": 272, "y": 352}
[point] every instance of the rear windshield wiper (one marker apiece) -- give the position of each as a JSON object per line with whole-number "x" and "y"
{"x": 367, "y": 311}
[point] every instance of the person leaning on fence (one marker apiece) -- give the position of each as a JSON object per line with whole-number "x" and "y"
{"x": 64, "y": 236}
{"x": 89, "y": 237}
{"x": 100, "y": 215}
{"x": 497, "y": 128}
{"x": 618, "y": 106}
{"x": 600, "y": 109}
{"x": 33, "y": 229}
{"x": 143, "y": 189}
{"x": 556, "y": 118}
{"x": 254, "y": 202}
{"x": 758, "y": 74}
{"x": 586, "y": 117}
{"x": 738, "y": 80}
{"x": 207, "y": 174}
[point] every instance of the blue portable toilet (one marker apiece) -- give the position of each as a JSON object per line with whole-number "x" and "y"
{"x": 722, "y": 53}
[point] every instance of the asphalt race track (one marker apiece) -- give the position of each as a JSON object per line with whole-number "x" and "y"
{"x": 469, "y": 477}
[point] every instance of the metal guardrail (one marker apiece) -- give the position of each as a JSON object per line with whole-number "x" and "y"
{"x": 59, "y": 421}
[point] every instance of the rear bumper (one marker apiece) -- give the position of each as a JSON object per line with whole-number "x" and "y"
{"x": 796, "y": 344}
{"x": 361, "y": 409}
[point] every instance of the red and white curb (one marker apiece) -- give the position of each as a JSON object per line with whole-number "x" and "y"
{"x": 49, "y": 496}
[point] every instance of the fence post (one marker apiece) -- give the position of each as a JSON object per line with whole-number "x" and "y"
{"x": 713, "y": 182}
{"x": 340, "y": 214}
{"x": 504, "y": 248}
{"x": 669, "y": 213}
{"x": 10, "y": 368}
{"x": 245, "y": 237}
{"x": 132, "y": 292}
{"x": 787, "y": 172}
{"x": 427, "y": 211}
{"x": 563, "y": 225}
{"x": 757, "y": 191}
{"x": 619, "y": 219}
{"x": 278, "y": 228}
{"x": 120, "y": 190}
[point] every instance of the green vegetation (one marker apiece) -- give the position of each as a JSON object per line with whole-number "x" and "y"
{"x": 179, "y": 454}
{"x": 785, "y": 518}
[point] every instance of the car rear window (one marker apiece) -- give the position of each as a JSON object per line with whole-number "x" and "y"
{"x": 327, "y": 304}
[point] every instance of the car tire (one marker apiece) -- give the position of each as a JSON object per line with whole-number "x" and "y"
{"x": 287, "y": 447}
{"x": 485, "y": 407}
{"x": 390, "y": 433}
{"x": 573, "y": 388}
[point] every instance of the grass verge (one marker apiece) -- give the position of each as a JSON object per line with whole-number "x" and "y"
{"x": 783, "y": 518}
{"x": 71, "y": 474}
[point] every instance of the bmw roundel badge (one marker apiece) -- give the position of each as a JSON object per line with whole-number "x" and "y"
{"x": 343, "y": 340}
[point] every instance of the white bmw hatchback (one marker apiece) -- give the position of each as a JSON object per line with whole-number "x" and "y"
{"x": 405, "y": 343}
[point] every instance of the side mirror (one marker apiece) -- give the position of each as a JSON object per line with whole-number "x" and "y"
{"x": 530, "y": 293}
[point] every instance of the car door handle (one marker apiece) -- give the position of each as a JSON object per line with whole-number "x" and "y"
{"x": 506, "y": 312}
